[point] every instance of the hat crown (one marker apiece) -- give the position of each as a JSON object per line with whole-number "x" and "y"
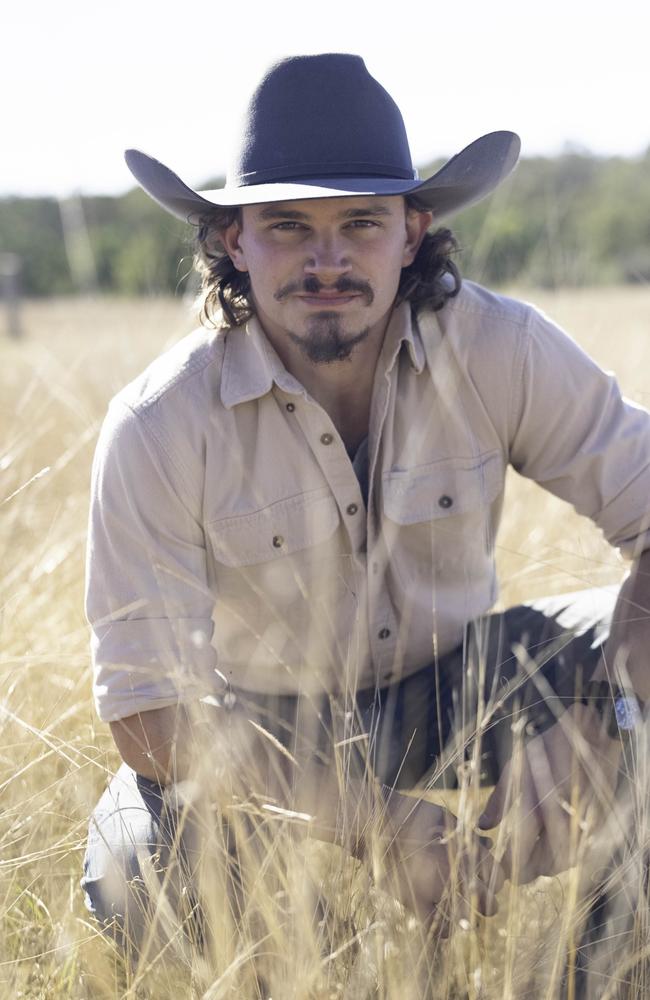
{"x": 320, "y": 116}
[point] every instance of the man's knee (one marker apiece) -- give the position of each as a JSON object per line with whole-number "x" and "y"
{"x": 123, "y": 855}
{"x": 119, "y": 884}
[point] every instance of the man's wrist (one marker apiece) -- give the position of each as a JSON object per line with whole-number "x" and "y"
{"x": 620, "y": 710}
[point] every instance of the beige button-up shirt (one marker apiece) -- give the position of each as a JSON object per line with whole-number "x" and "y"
{"x": 229, "y": 538}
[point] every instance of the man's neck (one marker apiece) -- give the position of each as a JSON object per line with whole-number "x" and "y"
{"x": 342, "y": 388}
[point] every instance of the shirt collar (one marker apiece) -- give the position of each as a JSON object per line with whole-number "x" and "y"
{"x": 402, "y": 329}
{"x": 251, "y": 365}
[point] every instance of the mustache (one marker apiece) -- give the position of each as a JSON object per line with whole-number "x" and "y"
{"x": 312, "y": 286}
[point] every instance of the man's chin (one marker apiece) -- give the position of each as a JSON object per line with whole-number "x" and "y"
{"x": 325, "y": 341}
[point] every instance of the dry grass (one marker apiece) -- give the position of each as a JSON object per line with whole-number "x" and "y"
{"x": 55, "y": 758}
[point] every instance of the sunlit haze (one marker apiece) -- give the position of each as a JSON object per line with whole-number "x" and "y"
{"x": 82, "y": 81}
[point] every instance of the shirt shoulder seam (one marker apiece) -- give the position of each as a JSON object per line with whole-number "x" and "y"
{"x": 178, "y": 380}
{"x": 517, "y": 314}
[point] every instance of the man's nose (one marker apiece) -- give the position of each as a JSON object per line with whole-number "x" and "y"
{"x": 327, "y": 259}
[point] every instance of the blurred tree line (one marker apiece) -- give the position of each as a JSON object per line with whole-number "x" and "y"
{"x": 572, "y": 220}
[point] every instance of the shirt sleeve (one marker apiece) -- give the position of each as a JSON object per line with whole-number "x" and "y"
{"x": 580, "y": 439}
{"x": 147, "y": 595}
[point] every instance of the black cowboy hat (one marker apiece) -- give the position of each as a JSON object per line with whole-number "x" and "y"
{"x": 322, "y": 127}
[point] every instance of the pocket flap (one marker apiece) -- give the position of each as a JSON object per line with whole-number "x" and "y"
{"x": 278, "y": 530}
{"x": 443, "y": 489}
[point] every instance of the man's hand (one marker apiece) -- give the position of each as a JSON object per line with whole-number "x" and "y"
{"x": 557, "y": 788}
{"x": 432, "y": 866}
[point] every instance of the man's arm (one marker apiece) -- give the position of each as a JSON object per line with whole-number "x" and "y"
{"x": 569, "y": 772}
{"x": 626, "y": 659}
{"x": 420, "y": 855}
{"x": 149, "y": 743}
{"x": 225, "y": 748}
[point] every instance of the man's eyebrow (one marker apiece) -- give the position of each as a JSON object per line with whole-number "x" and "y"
{"x": 358, "y": 213}
{"x": 274, "y": 212}
{"x": 292, "y": 214}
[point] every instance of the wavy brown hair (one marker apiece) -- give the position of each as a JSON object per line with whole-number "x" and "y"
{"x": 224, "y": 295}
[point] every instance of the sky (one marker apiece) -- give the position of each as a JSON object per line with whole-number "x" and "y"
{"x": 81, "y": 81}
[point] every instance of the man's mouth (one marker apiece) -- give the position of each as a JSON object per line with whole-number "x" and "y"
{"x": 312, "y": 293}
{"x": 329, "y": 298}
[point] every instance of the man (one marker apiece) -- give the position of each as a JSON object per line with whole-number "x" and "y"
{"x": 291, "y": 557}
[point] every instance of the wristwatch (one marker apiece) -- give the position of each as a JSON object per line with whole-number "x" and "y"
{"x": 620, "y": 709}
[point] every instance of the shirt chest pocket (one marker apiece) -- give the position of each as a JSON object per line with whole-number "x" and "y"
{"x": 288, "y": 527}
{"x": 444, "y": 490}
{"x": 440, "y": 519}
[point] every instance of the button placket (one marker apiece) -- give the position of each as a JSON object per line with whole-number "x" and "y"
{"x": 380, "y": 639}
{"x": 337, "y": 468}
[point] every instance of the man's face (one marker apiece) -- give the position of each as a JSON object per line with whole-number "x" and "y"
{"x": 324, "y": 272}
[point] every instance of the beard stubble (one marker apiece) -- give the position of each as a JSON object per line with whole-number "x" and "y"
{"x": 326, "y": 341}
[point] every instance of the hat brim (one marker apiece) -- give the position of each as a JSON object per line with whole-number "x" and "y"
{"x": 465, "y": 179}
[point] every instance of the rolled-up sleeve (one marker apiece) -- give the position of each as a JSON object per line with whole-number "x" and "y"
{"x": 147, "y": 596}
{"x": 576, "y": 436}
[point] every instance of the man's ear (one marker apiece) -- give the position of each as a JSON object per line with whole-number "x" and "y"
{"x": 230, "y": 238}
{"x": 417, "y": 224}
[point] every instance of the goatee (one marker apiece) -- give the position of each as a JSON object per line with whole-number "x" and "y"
{"x": 326, "y": 342}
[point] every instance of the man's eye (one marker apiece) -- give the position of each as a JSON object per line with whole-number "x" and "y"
{"x": 363, "y": 224}
{"x": 287, "y": 226}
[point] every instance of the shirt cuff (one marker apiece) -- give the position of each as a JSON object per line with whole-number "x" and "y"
{"x": 143, "y": 664}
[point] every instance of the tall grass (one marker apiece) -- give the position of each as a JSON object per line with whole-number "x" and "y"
{"x": 309, "y": 921}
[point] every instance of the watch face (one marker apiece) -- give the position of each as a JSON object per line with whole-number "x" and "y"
{"x": 627, "y": 712}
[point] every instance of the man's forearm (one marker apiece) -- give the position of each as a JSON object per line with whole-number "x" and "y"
{"x": 627, "y": 651}
{"x": 150, "y": 742}
{"x": 225, "y": 749}
{"x": 227, "y": 754}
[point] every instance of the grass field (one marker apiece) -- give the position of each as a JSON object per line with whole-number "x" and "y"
{"x": 55, "y": 757}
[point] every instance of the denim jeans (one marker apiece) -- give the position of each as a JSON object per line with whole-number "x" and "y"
{"x": 510, "y": 659}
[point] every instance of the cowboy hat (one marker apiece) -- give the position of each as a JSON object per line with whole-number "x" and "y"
{"x": 322, "y": 127}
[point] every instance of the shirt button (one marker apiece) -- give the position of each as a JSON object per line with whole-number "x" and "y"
{"x": 352, "y": 508}
{"x": 278, "y": 541}
{"x": 326, "y": 439}
{"x": 384, "y": 633}
{"x": 445, "y": 501}
{"x": 291, "y": 407}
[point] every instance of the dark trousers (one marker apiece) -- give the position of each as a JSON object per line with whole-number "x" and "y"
{"x": 523, "y": 662}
